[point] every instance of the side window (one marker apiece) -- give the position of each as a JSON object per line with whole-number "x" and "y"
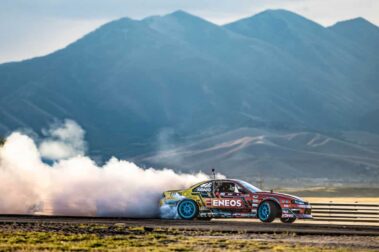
{"x": 229, "y": 189}
{"x": 204, "y": 189}
{"x": 226, "y": 187}
{"x": 240, "y": 189}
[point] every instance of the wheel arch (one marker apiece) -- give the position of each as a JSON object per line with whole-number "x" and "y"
{"x": 276, "y": 202}
{"x": 188, "y": 199}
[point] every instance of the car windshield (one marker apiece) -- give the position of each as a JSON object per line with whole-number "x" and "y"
{"x": 250, "y": 187}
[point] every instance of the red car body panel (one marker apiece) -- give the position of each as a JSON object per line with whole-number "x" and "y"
{"x": 241, "y": 204}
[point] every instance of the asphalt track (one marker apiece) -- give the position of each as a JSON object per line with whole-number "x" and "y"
{"x": 246, "y": 226}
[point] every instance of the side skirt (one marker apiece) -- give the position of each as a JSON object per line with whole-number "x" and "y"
{"x": 216, "y": 213}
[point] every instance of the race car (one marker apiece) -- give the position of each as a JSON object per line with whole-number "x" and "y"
{"x": 233, "y": 198}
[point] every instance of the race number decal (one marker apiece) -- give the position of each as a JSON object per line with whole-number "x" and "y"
{"x": 226, "y": 203}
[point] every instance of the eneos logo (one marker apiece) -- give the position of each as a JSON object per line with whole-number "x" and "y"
{"x": 226, "y": 203}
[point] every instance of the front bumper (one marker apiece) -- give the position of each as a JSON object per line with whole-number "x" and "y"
{"x": 298, "y": 212}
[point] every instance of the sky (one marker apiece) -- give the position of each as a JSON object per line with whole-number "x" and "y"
{"x": 30, "y": 28}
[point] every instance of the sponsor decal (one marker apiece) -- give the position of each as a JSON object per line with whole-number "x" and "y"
{"x": 255, "y": 196}
{"x": 205, "y": 214}
{"x": 207, "y": 187}
{"x": 226, "y": 194}
{"x": 303, "y": 206}
{"x": 285, "y": 205}
{"x": 226, "y": 203}
{"x": 255, "y": 201}
{"x": 287, "y": 215}
{"x": 243, "y": 215}
{"x": 255, "y": 205}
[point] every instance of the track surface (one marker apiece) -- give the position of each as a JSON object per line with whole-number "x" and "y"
{"x": 247, "y": 226}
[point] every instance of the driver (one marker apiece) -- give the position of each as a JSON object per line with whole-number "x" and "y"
{"x": 223, "y": 188}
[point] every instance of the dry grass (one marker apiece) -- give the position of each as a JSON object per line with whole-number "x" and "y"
{"x": 118, "y": 237}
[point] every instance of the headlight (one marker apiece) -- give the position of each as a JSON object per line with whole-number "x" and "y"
{"x": 298, "y": 202}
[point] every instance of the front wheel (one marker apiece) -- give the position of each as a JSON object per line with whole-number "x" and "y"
{"x": 287, "y": 220}
{"x": 188, "y": 209}
{"x": 267, "y": 211}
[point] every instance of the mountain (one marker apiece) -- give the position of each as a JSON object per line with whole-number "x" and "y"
{"x": 140, "y": 87}
{"x": 308, "y": 41}
{"x": 339, "y": 62}
{"x": 277, "y": 154}
{"x": 365, "y": 36}
{"x": 358, "y": 30}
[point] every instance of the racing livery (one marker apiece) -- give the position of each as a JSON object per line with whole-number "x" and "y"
{"x": 232, "y": 198}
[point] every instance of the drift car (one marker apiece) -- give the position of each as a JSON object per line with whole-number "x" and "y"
{"x": 232, "y": 198}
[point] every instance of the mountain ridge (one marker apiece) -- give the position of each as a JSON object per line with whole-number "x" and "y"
{"x": 135, "y": 84}
{"x": 180, "y": 11}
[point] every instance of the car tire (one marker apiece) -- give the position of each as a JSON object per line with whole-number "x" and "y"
{"x": 267, "y": 211}
{"x": 188, "y": 209}
{"x": 288, "y": 220}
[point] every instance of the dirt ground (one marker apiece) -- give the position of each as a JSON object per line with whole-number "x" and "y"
{"x": 120, "y": 236}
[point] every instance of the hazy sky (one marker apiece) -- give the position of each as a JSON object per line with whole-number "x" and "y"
{"x": 31, "y": 28}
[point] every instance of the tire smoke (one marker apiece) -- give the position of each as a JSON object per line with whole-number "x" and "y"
{"x": 74, "y": 184}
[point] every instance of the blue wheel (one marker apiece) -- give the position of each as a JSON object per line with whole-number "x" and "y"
{"x": 267, "y": 211}
{"x": 188, "y": 209}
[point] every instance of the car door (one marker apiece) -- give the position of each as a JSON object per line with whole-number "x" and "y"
{"x": 227, "y": 196}
{"x": 249, "y": 200}
{"x": 205, "y": 193}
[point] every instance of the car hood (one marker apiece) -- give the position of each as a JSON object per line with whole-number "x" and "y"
{"x": 283, "y": 195}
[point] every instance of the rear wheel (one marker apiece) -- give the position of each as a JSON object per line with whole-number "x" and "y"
{"x": 287, "y": 220}
{"x": 267, "y": 211}
{"x": 188, "y": 209}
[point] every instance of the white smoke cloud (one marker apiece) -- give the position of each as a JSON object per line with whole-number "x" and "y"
{"x": 63, "y": 141}
{"x": 169, "y": 211}
{"x": 76, "y": 185}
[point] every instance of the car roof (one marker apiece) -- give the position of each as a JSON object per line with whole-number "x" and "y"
{"x": 211, "y": 180}
{"x": 233, "y": 180}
